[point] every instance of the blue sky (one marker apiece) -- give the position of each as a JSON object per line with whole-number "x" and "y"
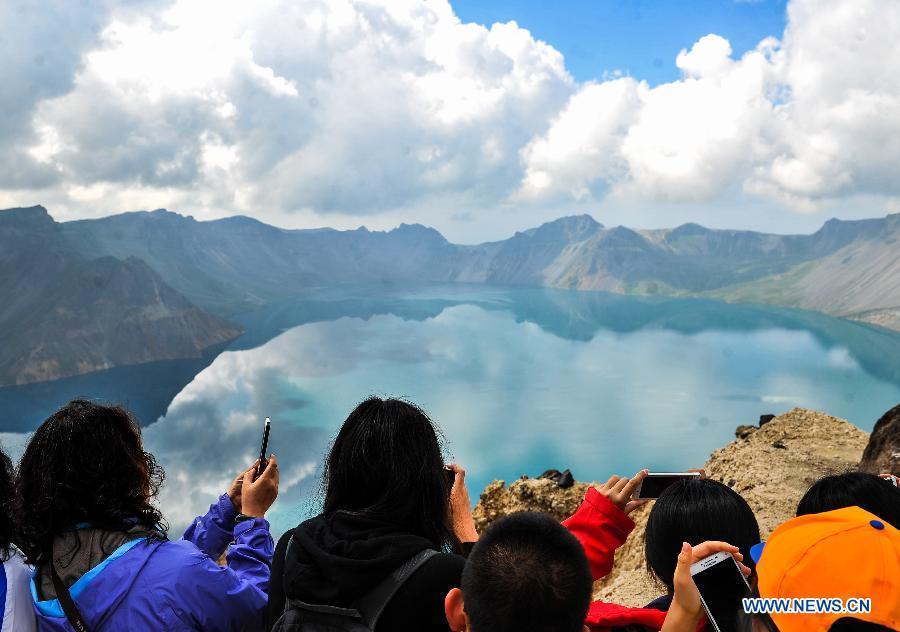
{"x": 638, "y": 37}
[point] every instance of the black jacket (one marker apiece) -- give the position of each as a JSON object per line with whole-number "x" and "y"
{"x": 339, "y": 558}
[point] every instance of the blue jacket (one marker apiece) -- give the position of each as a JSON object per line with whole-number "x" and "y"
{"x": 163, "y": 585}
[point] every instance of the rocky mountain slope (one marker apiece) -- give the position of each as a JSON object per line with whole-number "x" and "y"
{"x": 64, "y": 314}
{"x": 771, "y": 466}
{"x": 238, "y": 263}
{"x": 860, "y": 279}
{"x": 847, "y": 268}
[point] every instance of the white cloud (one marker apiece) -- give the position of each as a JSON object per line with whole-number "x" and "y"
{"x": 838, "y": 130}
{"x": 584, "y": 146}
{"x": 799, "y": 120}
{"x": 710, "y": 56}
{"x": 335, "y": 106}
{"x": 324, "y": 111}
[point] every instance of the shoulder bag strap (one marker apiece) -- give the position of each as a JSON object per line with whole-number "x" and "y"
{"x": 66, "y": 601}
{"x": 372, "y": 604}
{"x": 287, "y": 556}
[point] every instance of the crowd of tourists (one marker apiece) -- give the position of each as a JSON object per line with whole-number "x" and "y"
{"x": 85, "y": 547}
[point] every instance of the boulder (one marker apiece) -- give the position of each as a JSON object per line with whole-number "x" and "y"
{"x": 742, "y": 432}
{"x": 562, "y": 479}
{"x": 882, "y": 454}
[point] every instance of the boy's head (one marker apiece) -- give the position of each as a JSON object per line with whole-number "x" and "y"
{"x": 526, "y": 573}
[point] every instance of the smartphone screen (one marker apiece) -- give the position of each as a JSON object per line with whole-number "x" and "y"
{"x": 721, "y": 586}
{"x": 261, "y": 466}
{"x": 655, "y": 484}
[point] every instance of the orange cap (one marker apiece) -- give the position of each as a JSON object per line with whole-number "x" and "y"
{"x": 844, "y": 554}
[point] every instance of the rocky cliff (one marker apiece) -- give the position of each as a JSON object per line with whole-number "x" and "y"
{"x": 771, "y": 466}
{"x": 64, "y": 313}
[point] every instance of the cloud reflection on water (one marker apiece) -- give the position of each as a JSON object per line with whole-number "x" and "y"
{"x": 510, "y": 396}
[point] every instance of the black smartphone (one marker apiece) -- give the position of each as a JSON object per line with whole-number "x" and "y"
{"x": 656, "y": 483}
{"x": 261, "y": 466}
{"x": 722, "y": 586}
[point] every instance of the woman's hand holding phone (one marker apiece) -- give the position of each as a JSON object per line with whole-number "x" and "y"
{"x": 234, "y": 492}
{"x": 257, "y": 495}
{"x": 461, "y": 520}
{"x": 686, "y": 608}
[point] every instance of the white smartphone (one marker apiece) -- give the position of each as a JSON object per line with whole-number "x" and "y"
{"x": 722, "y": 585}
{"x": 656, "y": 483}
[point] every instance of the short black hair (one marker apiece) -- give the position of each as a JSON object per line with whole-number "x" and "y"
{"x": 527, "y": 573}
{"x": 859, "y": 489}
{"x": 694, "y": 511}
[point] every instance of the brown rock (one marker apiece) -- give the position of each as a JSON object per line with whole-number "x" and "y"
{"x": 742, "y": 432}
{"x": 882, "y": 455}
{"x": 530, "y": 494}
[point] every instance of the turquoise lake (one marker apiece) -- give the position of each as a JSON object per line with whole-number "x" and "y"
{"x": 518, "y": 380}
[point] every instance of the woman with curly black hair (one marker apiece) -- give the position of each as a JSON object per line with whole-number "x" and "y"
{"x": 87, "y": 522}
{"x": 16, "y": 613}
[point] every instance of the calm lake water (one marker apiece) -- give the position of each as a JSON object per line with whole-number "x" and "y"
{"x": 519, "y": 381}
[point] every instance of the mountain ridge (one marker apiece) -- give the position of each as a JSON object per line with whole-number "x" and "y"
{"x": 847, "y": 268}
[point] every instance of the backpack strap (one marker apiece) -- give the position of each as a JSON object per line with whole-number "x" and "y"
{"x": 66, "y": 601}
{"x": 372, "y": 604}
{"x": 369, "y": 607}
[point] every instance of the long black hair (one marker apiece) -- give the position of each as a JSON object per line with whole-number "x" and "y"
{"x": 695, "y": 511}
{"x": 860, "y": 489}
{"x": 7, "y": 496}
{"x": 85, "y": 464}
{"x": 386, "y": 462}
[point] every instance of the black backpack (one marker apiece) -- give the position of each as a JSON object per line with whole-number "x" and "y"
{"x": 300, "y": 616}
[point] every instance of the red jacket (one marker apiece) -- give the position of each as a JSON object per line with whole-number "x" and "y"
{"x": 601, "y": 527}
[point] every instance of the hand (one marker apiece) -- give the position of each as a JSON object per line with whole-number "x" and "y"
{"x": 461, "y": 521}
{"x": 234, "y": 492}
{"x": 258, "y": 495}
{"x": 619, "y": 491}
{"x": 687, "y": 598}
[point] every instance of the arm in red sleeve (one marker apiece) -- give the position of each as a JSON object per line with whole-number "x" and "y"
{"x": 601, "y": 527}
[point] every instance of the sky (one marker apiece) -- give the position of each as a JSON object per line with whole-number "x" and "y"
{"x": 639, "y": 38}
{"x": 477, "y": 118}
